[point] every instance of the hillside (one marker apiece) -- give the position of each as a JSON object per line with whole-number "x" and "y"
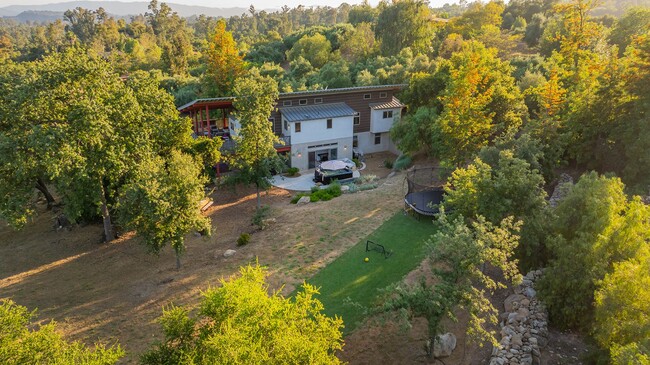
{"x": 117, "y": 8}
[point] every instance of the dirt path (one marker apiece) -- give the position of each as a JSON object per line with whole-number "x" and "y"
{"x": 115, "y": 292}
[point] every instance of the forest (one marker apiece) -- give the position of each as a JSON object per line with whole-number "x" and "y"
{"x": 506, "y": 95}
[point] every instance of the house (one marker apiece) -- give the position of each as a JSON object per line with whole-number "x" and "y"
{"x": 315, "y": 125}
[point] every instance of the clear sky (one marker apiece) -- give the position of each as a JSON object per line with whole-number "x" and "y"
{"x": 259, "y": 4}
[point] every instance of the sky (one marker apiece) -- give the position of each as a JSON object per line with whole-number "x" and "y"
{"x": 259, "y": 4}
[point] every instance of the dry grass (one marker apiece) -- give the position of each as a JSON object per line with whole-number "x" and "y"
{"x": 115, "y": 292}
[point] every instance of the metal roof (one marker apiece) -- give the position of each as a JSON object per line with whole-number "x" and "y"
{"x": 393, "y": 104}
{"x": 319, "y": 111}
{"x": 206, "y": 100}
{"x": 344, "y": 90}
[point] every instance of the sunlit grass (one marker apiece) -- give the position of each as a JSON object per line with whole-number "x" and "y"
{"x": 350, "y": 277}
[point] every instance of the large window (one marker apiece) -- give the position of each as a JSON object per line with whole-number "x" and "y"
{"x": 329, "y": 124}
{"x": 388, "y": 114}
{"x": 377, "y": 138}
{"x": 298, "y": 127}
{"x": 357, "y": 119}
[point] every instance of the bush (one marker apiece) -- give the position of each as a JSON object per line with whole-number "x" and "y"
{"x": 260, "y": 215}
{"x": 365, "y": 179}
{"x": 356, "y": 162}
{"x": 295, "y": 199}
{"x": 388, "y": 164}
{"x": 402, "y": 162}
{"x": 243, "y": 239}
{"x": 367, "y": 187}
{"x": 292, "y": 171}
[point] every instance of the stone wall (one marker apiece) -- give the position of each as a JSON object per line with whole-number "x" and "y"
{"x": 523, "y": 326}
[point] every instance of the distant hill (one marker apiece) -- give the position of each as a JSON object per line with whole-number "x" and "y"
{"x": 118, "y": 8}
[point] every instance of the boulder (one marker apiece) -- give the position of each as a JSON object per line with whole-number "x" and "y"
{"x": 444, "y": 345}
{"x": 512, "y": 303}
{"x": 345, "y": 188}
{"x": 304, "y": 200}
{"x": 530, "y": 293}
{"x": 229, "y": 253}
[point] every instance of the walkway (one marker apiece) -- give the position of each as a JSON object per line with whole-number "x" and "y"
{"x": 304, "y": 182}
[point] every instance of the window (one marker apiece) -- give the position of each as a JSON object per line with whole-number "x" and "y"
{"x": 329, "y": 124}
{"x": 302, "y": 102}
{"x": 377, "y": 138}
{"x": 366, "y": 96}
{"x": 287, "y": 103}
{"x": 357, "y": 119}
{"x": 286, "y": 125}
{"x": 297, "y": 127}
{"x": 355, "y": 141}
{"x": 318, "y": 101}
{"x": 388, "y": 114}
{"x": 383, "y": 95}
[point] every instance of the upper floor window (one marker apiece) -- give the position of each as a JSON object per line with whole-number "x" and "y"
{"x": 388, "y": 114}
{"x": 383, "y": 95}
{"x": 357, "y": 119}
{"x": 298, "y": 127}
{"x": 287, "y": 103}
{"x": 302, "y": 102}
{"x": 318, "y": 100}
{"x": 329, "y": 124}
{"x": 366, "y": 96}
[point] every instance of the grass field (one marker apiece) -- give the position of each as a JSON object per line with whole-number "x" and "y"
{"x": 350, "y": 277}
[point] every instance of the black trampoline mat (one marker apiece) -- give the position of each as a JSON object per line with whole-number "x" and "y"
{"x": 420, "y": 201}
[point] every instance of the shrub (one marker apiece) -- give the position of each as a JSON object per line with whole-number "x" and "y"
{"x": 388, "y": 164}
{"x": 243, "y": 239}
{"x": 315, "y": 189}
{"x": 260, "y": 215}
{"x": 356, "y": 162}
{"x": 402, "y": 162}
{"x": 292, "y": 171}
{"x": 365, "y": 179}
{"x": 367, "y": 187}
{"x": 295, "y": 199}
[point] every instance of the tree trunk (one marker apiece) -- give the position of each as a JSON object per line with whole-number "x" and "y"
{"x": 259, "y": 203}
{"x": 40, "y": 185}
{"x": 108, "y": 226}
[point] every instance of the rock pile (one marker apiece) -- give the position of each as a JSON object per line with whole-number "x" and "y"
{"x": 561, "y": 189}
{"x": 523, "y": 326}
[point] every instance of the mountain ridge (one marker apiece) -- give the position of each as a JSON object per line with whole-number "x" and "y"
{"x": 119, "y": 8}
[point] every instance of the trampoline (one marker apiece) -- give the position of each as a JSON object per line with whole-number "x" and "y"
{"x": 425, "y": 190}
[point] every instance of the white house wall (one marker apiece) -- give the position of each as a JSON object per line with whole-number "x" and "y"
{"x": 312, "y": 131}
{"x": 379, "y": 124}
{"x": 300, "y": 152}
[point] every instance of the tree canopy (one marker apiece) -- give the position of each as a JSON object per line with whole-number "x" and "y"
{"x": 240, "y": 322}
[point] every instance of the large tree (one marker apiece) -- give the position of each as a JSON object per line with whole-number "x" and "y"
{"x": 225, "y": 63}
{"x": 480, "y": 102}
{"x": 405, "y": 24}
{"x": 239, "y": 322}
{"x": 255, "y": 154}
{"x": 70, "y": 120}
{"x": 596, "y": 226}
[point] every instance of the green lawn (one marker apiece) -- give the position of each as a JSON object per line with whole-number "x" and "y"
{"x": 349, "y": 276}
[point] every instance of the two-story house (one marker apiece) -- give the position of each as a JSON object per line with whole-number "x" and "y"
{"x": 316, "y": 125}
